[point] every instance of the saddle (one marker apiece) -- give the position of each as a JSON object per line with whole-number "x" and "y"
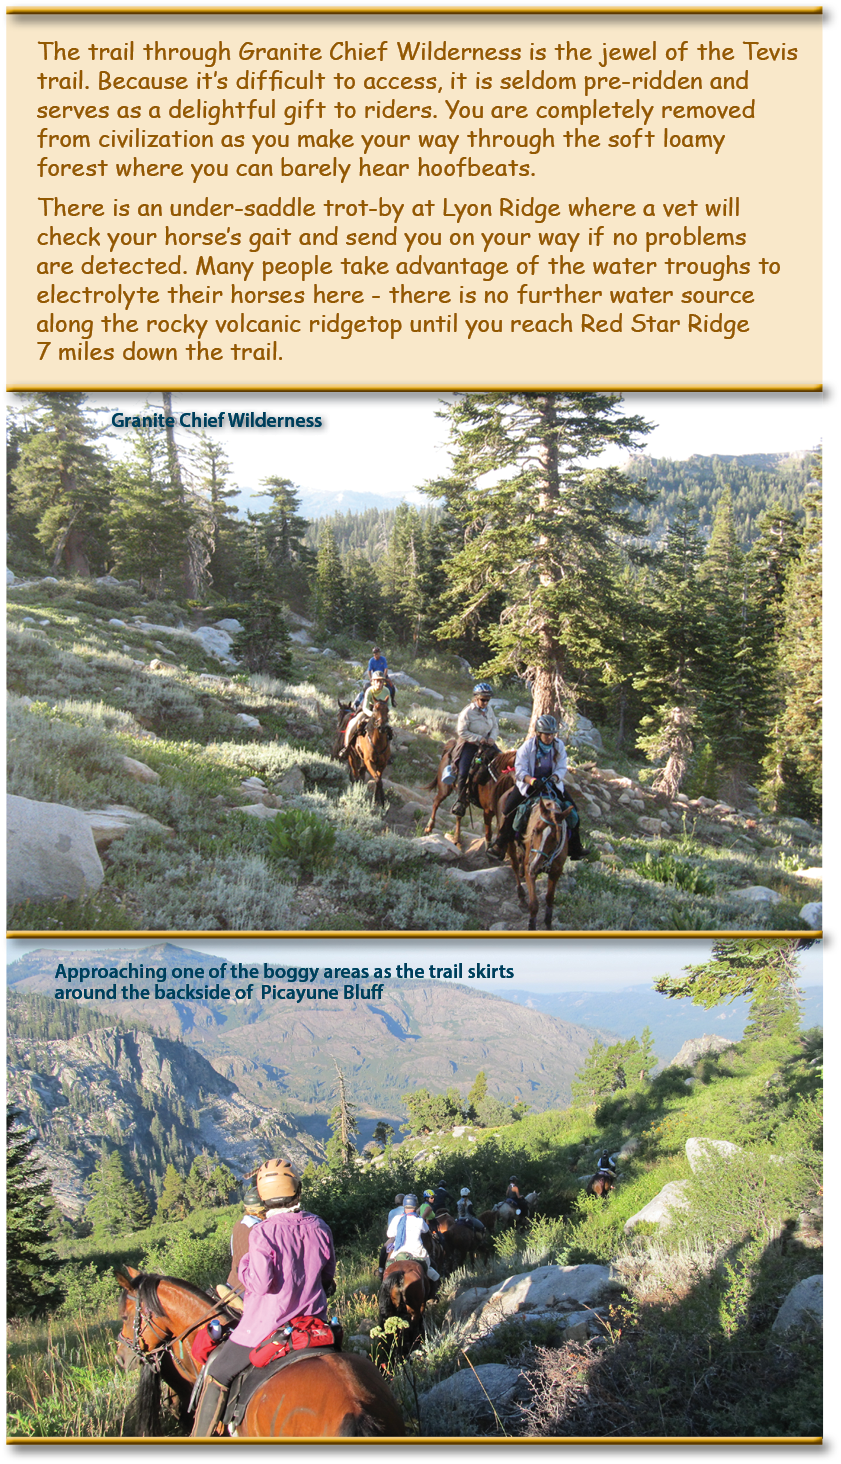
{"x": 247, "y": 1383}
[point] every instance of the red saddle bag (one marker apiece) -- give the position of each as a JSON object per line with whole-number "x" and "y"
{"x": 298, "y": 1334}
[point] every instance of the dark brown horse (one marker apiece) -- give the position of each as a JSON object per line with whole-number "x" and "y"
{"x": 461, "y": 1242}
{"x": 601, "y": 1184}
{"x": 484, "y": 795}
{"x": 331, "y": 1395}
{"x": 370, "y": 750}
{"x": 404, "y": 1292}
{"x": 543, "y": 851}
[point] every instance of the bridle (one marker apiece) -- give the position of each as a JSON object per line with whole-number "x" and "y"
{"x": 538, "y": 855}
{"x": 153, "y": 1357}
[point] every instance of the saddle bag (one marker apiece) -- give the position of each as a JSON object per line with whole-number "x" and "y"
{"x": 300, "y": 1333}
{"x": 208, "y": 1338}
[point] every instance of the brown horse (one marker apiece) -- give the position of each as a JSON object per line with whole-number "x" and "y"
{"x": 461, "y": 1242}
{"x": 484, "y": 795}
{"x": 370, "y": 750}
{"x": 331, "y": 1395}
{"x": 404, "y": 1292}
{"x": 543, "y": 851}
{"x": 601, "y": 1184}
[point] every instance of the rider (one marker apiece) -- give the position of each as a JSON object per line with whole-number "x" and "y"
{"x": 466, "y": 1214}
{"x": 376, "y": 692}
{"x": 427, "y": 1209}
{"x": 377, "y": 662}
{"x": 385, "y": 1248}
{"x": 442, "y": 1200}
{"x": 286, "y": 1272}
{"x": 407, "y": 1232}
{"x": 541, "y": 762}
{"x": 512, "y": 1194}
{"x": 476, "y": 723}
{"x": 255, "y": 1213}
{"x": 607, "y": 1165}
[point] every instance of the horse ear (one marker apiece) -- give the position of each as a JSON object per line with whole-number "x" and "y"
{"x": 126, "y": 1277}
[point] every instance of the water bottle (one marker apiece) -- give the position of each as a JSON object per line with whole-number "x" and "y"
{"x": 338, "y": 1333}
{"x": 214, "y": 1329}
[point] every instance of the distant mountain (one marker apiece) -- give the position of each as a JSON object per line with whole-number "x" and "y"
{"x": 625, "y": 1013}
{"x": 757, "y": 481}
{"x": 155, "y": 1099}
{"x": 428, "y": 1034}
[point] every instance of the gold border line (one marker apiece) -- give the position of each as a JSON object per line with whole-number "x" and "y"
{"x": 438, "y": 1439}
{"x": 809, "y": 935}
{"x": 294, "y": 389}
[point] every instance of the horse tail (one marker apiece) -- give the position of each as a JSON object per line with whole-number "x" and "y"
{"x": 148, "y": 1404}
{"x": 389, "y": 1282}
{"x": 433, "y": 783}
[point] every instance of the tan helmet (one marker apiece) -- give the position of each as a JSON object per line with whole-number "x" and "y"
{"x": 277, "y": 1180}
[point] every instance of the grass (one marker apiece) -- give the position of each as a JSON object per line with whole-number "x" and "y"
{"x": 92, "y": 698}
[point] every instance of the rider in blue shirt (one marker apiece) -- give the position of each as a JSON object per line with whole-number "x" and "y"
{"x": 377, "y": 662}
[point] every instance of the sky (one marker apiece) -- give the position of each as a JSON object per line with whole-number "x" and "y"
{"x": 389, "y": 444}
{"x": 542, "y": 965}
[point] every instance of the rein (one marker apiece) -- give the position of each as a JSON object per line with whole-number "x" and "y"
{"x": 153, "y": 1357}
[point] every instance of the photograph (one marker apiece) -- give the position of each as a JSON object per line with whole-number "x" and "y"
{"x": 494, "y": 662}
{"x": 575, "y": 1196}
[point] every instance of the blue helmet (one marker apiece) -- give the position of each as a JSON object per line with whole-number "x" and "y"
{"x": 482, "y": 688}
{"x": 410, "y": 1202}
{"x": 546, "y": 724}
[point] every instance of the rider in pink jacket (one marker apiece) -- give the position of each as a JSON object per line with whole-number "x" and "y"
{"x": 286, "y": 1272}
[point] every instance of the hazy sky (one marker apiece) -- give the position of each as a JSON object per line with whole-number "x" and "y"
{"x": 389, "y": 444}
{"x": 542, "y": 965}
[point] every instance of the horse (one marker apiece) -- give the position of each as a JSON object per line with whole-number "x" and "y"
{"x": 461, "y": 1242}
{"x": 370, "y": 750}
{"x": 544, "y": 849}
{"x": 601, "y": 1184}
{"x": 404, "y": 1292}
{"x": 330, "y": 1395}
{"x": 484, "y": 795}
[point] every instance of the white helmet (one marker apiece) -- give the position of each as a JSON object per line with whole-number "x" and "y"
{"x": 465, "y": 1193}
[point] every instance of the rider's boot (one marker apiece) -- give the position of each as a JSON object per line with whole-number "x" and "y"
{"x": 344, "y": 753}
{"x": 460, "y": 805}
{"x": 499, "y": 848}
{"x": 210, "y": 1410}
{"x": 575, "y": 848}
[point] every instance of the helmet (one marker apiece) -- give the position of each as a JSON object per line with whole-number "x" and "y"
{"x": 277, "y": 1180}
{"x": 251, "y": 1197}
{"x": 378, "y": 676}
{"x": 546, "y": 724}
{"x": 465, "y": 1193}
{"x": 398, "y": 1199}
{"x": 429, "y": 1194}
{"x": 410, "y": 1202}
{"x": 513, "y": 1179}
{"x": 482, "y": 688}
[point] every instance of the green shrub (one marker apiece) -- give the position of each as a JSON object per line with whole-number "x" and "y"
{"x": 86, "y": 1291}
{"x": 302, "y": 838}
{"x": 665, "y": 869}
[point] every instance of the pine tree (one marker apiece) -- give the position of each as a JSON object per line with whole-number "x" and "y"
{"x": 341, "y": 1149}
{"x": 669, "y": 676}
{"x": 537, "y": 525}
{"x": 477, "y": 1095}
{"x": 173, "y": 1203}
{"x": 31, "y": 1281}
{"x": 755, "y": 968}
{"x": 209, "y": 1183}
{"x": 264, "y": 642}
{"x": 116, "y": 1206}
{"x": 61, "y": 482}
{"x": 149, "y": 522}
{"x": 794, "y": 761}
{"x": 285, "y": 538}
{"x": 363, "y": 598}
{"x": 329, "y": 587}
{"x": 212, "y": 477}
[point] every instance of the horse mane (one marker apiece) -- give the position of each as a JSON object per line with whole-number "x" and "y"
{"x": 146, "y": 1283}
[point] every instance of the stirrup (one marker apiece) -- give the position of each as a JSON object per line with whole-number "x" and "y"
{"x": 211, "y": 1408}
{"x": 497, "y": 851}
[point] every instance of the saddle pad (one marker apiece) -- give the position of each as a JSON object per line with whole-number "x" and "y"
{"x": 247, "y": 1383}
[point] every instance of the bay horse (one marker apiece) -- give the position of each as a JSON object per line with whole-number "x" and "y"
{"x": 601, "y": 1184}
{"x": 331, "y": 1395}
{"x": 404, "y": 1292}
{"x": 461, "y": 1242}
{"x": 371, "y": 748}
{"x": 485, "y": 795}
{"x": 543, "y": 851}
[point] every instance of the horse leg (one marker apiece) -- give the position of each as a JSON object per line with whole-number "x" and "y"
{"x": 439, "y": 799}
{"x": 550, "y": 900}
{"x": 379, "y": 795}
{"x": 533, "y": 901}
{"x": 457, "y": 832}
{"x": 514, "y": 856}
